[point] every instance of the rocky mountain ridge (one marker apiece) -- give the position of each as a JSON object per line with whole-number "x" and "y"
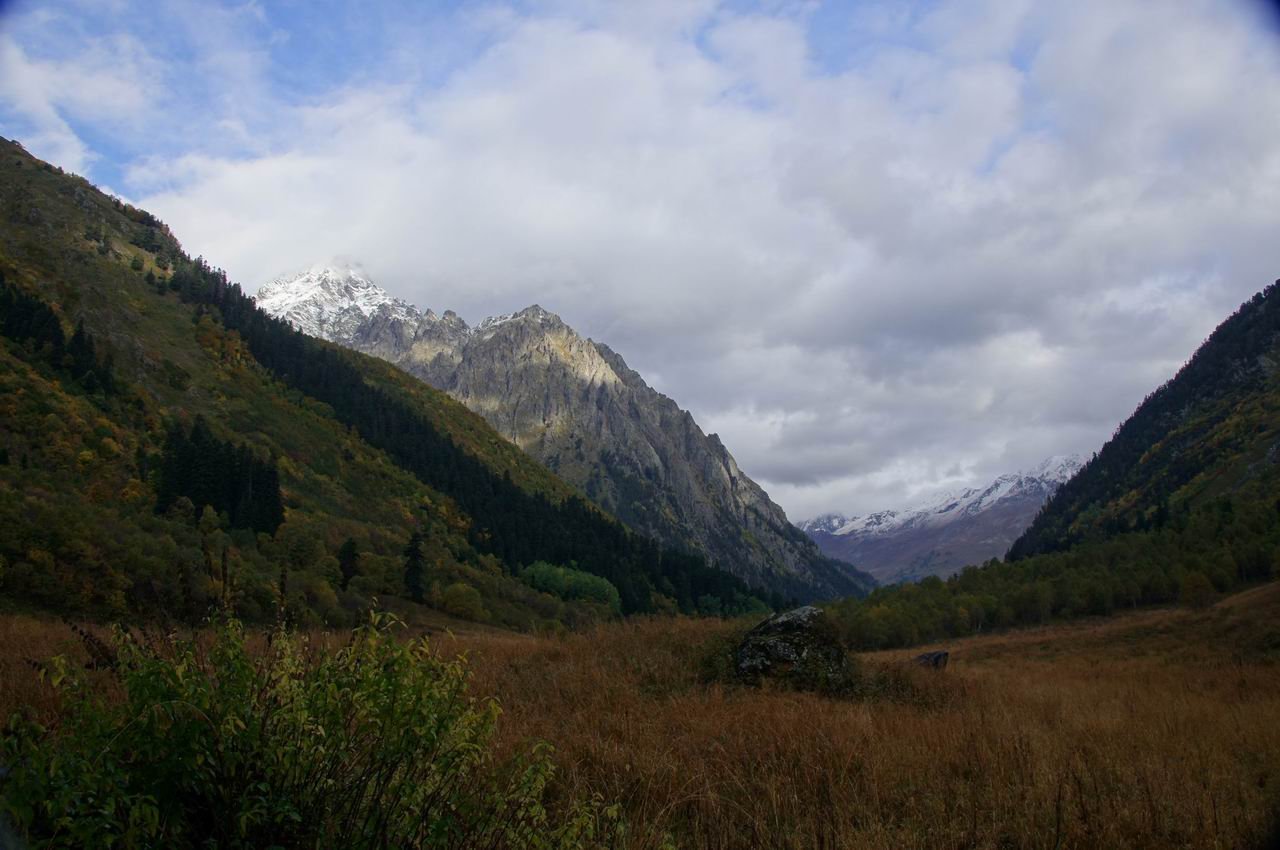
{"x": 944, "y": 532}
{"x": 574, "y": 404}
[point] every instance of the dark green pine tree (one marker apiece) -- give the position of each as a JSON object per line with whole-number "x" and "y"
{"x": 349, "y": 561}
{"x": 242, "y": 497}
{"x": 80, "y": 350}
{"x": 268, "y": 511}
{"x": 207, "y": 467}
{"x": 26, "y": 318}
{"x": 223, "y": 475}
{"x": 106, "y": 374}
{"x": 415, "y": 569}
{"x": 175, "y": 471}
{"x": 46, "y": 330}
{"x": 282, "y": 590}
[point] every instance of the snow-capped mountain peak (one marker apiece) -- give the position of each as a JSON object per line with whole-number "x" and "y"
{"x": 330, "y": 300}
{"x": 333, "y": 300}
{"x": 826, "y": 523}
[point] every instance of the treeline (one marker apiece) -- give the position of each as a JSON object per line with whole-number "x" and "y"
{"x": 516, "y": 526}
{"x": 226, "y": 476}
{"x": 1195, "y": 555}
{"x": 25, "y": 318}
{"x": 1162, "y": 446}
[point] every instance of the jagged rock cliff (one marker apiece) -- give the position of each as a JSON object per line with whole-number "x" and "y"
{"x": 574, "y": 404}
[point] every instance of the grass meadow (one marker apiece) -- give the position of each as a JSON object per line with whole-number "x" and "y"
{"x": 1153, "y": 729}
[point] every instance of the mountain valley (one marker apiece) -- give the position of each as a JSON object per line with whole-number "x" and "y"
{"x": 603, "y": 425}
{"x": 574, "y": 404}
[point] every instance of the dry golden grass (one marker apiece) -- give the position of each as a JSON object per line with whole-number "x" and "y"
{"x": 25, "y": 640}
{"x": 1159, "y": 729}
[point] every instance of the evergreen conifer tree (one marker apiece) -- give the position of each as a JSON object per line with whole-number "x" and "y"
{"x": 415, "y": 569}
{"x": 349, "y": 561}
{"x": 81, "y": 352}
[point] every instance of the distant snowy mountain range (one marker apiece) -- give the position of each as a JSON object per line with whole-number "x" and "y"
{"x": 946, "y": 532}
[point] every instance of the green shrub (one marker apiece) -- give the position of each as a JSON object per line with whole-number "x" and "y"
{"x": 571, "y": 584}
{"x": 463, "y": 600}
{"x": 206, "y": 744}
{"x": 1196, "y": 591}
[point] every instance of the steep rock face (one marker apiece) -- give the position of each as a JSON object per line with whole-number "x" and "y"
{"x": 574, "y": 404}
{"x": 946, "y": 533}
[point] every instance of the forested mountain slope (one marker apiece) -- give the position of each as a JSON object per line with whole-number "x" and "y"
{"x": 1182, "y": 504}
{"x": 1209, "y": 432}
{"x": 139, "y": 387}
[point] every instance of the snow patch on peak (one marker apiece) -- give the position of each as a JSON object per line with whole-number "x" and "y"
{"x": 877, "y": 522}
{"x": 335, "y": 299}
{"x": 826, "y": 523}
{"x": 330, "y": 300}
{"x": 491, "y": 322}
{"x": 532, "y": 313}
{"x": 1059, "y": 468}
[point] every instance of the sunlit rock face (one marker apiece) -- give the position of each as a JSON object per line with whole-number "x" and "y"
{"x": 574, "y": 404}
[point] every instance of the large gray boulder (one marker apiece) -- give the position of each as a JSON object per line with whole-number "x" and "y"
{"x": 934, "y": 660}
{"x": 799, "y": 648}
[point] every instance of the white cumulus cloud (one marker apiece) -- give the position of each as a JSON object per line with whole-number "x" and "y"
{"x": 973, "y": 236}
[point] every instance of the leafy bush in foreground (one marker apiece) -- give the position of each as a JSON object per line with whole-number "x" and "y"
{"x": 374, "y": 745}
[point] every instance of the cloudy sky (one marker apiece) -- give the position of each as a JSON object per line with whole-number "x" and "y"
{"x": 879, "y": 247}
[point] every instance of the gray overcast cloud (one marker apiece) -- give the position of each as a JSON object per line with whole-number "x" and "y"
{"x": 880, "y": 248}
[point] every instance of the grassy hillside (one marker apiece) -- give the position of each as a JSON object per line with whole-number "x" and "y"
{"x": 1180, "y": 506}
{"x": 361, "y": 451}
{"x": 1152, "y": 729}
